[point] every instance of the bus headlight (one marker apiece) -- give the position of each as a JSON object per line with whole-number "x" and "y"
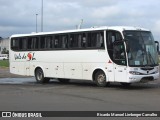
{"x": 157, "y": 70}
{"x": 134, "y": 73}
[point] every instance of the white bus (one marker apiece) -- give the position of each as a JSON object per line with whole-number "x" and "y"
{"x": 103, "y": 55}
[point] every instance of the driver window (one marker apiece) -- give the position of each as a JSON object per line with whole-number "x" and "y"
{"x": 119, "y": 55}
{"x": 112, "y": 36}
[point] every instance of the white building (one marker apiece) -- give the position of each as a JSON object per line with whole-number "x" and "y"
{"x": 4, "y": 43}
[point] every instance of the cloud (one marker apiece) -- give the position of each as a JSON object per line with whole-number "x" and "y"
{"x": 19, "y": 16}
{"x": 105, "y": 12}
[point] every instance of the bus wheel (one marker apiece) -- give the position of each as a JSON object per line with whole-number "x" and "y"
{"x": 63, "y": 80}
{"x": 39, "y": 75}
{"x": 125, "y": 84}
{"x": 100, "y": 79}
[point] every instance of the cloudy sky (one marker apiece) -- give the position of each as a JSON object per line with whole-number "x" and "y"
{"x": 19, "y": 16}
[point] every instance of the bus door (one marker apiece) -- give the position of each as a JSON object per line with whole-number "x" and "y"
{"x": 116, "y": 68}
{"x": 120, "y": 62}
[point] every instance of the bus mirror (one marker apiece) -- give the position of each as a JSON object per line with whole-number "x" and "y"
{"x": 157, "y": 46}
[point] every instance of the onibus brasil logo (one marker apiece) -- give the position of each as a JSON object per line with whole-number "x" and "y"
{"x": 26, "y": 56}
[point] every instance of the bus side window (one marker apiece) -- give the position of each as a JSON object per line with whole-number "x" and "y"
{"x": 79, "y": 38}
{"x": 119, "y": 56}
{"x": 89, "y": 39}
{"x": 35, "y": 43}
{"x": 32, "y": 43}
{"x": 77, "y": 41}
{"x": 95, "y": 40}
{"x": 112, "y": 36}
{"x": 42, "y": 42}
{"x": 57, "y": 42}
{"x": 64, "y": 40}
{"x": 22, "y": 43}
{"x": 100, "y": 40}
{"x": 48, "y": 42}
{"x": 29, "y": 43}
{"x": 15, "y": 43}
{"x": 71, "y": 40}
{"x": 84, "y": 40}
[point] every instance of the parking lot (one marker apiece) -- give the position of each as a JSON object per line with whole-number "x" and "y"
{"x": 19, "y": 93}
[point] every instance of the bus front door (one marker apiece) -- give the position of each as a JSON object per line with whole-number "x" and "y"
{"x": 120, "y": 63}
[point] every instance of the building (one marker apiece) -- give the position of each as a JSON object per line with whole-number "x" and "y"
{"x": 4, "y": 44}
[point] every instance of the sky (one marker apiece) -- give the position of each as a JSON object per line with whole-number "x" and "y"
{"x": 19, "y": 16}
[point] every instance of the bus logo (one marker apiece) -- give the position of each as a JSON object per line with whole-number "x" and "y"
{"x": 29, "y": 56}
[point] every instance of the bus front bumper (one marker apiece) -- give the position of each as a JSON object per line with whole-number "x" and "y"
{"x": 143, "y": 78}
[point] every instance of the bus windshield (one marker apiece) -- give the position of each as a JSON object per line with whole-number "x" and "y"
{"x": 142, "y": 50}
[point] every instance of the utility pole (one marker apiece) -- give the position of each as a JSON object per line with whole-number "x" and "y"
{"x": 42, "y": 17}
{"x": 80, "y": 25}
{"x": 36, "y": 23}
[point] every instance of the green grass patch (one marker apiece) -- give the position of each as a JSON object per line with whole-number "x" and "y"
{"x": 4, "y": 63}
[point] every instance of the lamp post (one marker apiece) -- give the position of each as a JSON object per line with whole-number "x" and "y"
{"x": 42, "y": 17}
{"x": 36, "y": 23}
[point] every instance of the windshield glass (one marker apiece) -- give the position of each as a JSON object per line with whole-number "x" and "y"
{"x": 142, "y": 49}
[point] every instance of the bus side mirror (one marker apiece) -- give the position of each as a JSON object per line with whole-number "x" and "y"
{"x": 157, "y": 45}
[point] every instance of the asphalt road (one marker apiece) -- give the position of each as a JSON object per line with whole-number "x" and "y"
{"x": 24, "y": 94}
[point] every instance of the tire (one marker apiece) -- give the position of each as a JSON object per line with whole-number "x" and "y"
{"x": 100, "y": 79}
{"x": 39, "y": 75}
{"x": 63, "y": 80}
{"x": 126, "y": 84}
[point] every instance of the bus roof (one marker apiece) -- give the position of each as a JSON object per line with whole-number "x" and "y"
{"x": 119, "y": 28}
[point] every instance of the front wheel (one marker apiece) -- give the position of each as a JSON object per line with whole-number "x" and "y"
{"x": 39, "y": 75}
{"x": 100, "y": 79}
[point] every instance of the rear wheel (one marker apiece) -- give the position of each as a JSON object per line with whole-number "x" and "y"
{"x": 39, "y": 75}
{"x": 100, "y": 79}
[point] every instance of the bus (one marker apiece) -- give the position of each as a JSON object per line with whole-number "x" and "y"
{"x": 103, "y": 55}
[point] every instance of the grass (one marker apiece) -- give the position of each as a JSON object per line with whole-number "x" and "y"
{"x": 4, "y": 63}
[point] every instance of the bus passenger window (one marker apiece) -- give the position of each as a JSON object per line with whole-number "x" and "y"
{"x": 71, "y": 41}
{"x": 35, "y": 43}
{"x": 95, "y": 40}
{"x": 100, "y": 40}
{"x": 75, "y": 40}
{"x": 64, "y": 40}
{"x": 15, "y": 44}
{"x": 58, "y": 42}
{"x": 84, "y": 40}
{"x": 42, "y": 42}
{"x": 29, "y": 43}
{"x": 79, "y": 38}
{"x": 48, "y": 42}
{"x": 22, "y": 43}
